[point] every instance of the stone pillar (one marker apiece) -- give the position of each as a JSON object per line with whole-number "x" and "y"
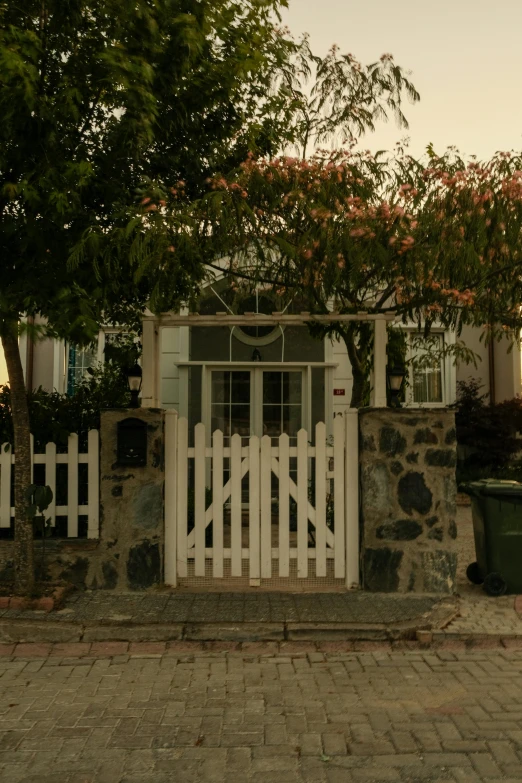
{"x": 131, "y": 508}
{"x": 408, "y": 495}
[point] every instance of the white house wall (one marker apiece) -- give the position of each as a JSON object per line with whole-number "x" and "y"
{"x": 507, "y": 365}
{"x": 507, "y": 371}
{"x": 173, "y": 348}
{"x": 465, "y": 372}
{"x": 342, "y": 378}
{"x": 43, "y": 364}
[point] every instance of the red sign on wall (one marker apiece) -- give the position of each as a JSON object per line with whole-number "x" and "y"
{"x": 339, "y": 392}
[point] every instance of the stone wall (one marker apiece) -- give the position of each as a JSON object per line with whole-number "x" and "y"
{"x": 129, "y": 552}
{"x": 131, "y": 509}
{"x": 408, "y": 500}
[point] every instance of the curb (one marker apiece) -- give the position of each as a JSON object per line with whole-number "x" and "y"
{"x": 71, "y": 653}
{"x": 47, "y": 603}
{"x": 17, "y": 631}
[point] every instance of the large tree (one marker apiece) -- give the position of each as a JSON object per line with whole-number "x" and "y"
{"x": 436, "y": 241}
{"x": 98, "y": 97}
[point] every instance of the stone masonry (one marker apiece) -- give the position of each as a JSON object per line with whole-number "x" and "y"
{"x": 129, "y": 553}
{"x": 408, "y": 500}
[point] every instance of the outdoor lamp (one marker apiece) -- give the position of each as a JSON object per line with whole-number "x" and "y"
{"x": 394, "y": 378}
{"x": 134, "y": 377}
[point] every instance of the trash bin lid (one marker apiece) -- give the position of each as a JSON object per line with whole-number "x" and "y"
{"x": 493, "y": 487}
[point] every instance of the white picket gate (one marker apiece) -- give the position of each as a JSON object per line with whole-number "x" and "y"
{"x": 73, "y": 458}
{"x": 299, "y": 512}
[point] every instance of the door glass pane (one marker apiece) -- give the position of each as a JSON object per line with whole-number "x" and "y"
{"x": 272, "y": 420}
{"x": 220, "y": 419}
{"x": 291, "y": 420}
{"x": 240, "y": 420}
{"x": 272, "y": 388}
{"x": 240, "y": 387}
{"x": 220, "y": 387}
{"x": 291, "y": 388}
{"x": 230, "y": 402}
{"x": 282, "y": 403}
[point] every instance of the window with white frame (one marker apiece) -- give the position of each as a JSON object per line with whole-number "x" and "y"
{"x": 79, "y": 361}
{"x": 427, "y": 370}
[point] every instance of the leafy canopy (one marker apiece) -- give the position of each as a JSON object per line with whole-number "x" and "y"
{"x": 436, "y": 241}
{"x": 98, "y": 97}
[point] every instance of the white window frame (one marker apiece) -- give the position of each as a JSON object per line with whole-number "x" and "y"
{"x": 99, "y": 353}
{"x": 449, "y": 375}
{"x": 67, "y": 356}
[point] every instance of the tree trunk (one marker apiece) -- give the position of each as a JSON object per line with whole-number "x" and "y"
{"x": 359, "y": 389}
{"x": 359, "y": 369}
{"x": 23, "y": 549}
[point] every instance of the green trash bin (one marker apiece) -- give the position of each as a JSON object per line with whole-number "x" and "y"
{"x": 497, "y": 527}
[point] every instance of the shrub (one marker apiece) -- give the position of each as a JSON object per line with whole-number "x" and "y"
{"x": 54, "y": 416}
{"x": 488, "y": 445}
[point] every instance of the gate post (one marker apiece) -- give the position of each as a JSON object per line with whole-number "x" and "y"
{"x": 351, "y": 488}
{"x": 378, "y": 395}
{"x": 171, "y": 480}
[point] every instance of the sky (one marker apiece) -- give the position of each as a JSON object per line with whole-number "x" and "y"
{"x": 465, "y": 58}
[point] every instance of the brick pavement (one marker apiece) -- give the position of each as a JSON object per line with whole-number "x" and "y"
{"x": 120, "y": 713}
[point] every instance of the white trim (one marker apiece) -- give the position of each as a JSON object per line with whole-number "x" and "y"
{"x": 261, "y": 319}
{"x": 378, "y": 380}
{"x": 263, "y": 365}
{"x": 59, "y": 366}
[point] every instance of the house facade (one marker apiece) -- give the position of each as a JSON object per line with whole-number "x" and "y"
{"x": 256, "y": 471}
{"x": 256, "y": 378}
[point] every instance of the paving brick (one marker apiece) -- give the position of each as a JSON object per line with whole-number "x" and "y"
{"x": 206, "y": 716}
{"x": 334, "y": 744}
{"x": 30, "y": 650}
{"x": 71, "y": 649}
{"x": 108, "y": 648}
{"x": 485, "y": 765}
{"x": 147, "y": 648}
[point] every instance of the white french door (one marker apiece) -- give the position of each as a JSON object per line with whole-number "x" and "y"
{"x": 256, "y": 401}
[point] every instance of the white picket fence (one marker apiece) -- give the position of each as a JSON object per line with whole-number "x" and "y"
{"x": 72, "y": 510}
{"x": 296, "y": 468}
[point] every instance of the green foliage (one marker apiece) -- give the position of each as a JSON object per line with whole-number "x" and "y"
{"x": 39, "y": 498}
{"x": 488, "y": 446}
{"x": 99, "y": 97}
{"x": 436, "y": 241}
{"x": 54, "y": 416}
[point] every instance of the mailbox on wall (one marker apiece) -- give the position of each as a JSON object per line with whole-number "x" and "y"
{"x": 131, "y": 443}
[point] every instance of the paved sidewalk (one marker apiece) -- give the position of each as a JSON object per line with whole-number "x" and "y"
{"x": 94, "y": 607}
{"x": 479, "y": 614}
{"x": 298, "y": 717}
{"x": 165, "y": 616}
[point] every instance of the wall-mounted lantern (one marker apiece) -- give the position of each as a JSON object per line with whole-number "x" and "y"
{"x": 131, "y": 442}
{"x": 134, "y": 379}
{"x": 394, "y": 378}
